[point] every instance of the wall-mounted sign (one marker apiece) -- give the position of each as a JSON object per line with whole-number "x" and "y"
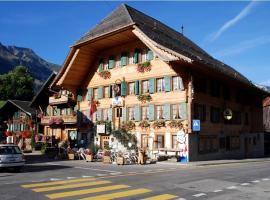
{"x": 101, "y": 128}
{"x": 196, "y": 125}
{"x": 117, "y": 101}
{"x": 227, "y": 114}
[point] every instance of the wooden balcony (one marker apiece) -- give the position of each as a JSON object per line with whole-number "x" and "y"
{"x": 68, "y": 119}
{"x": 63, "y": 99}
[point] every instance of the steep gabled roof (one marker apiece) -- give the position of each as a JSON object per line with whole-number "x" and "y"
{"x": 23, "y": 105}
{"x": 161, "y": 34}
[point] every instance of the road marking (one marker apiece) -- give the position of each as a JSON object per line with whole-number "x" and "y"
{"x": 231, "y": 187}
{"x": 172, "y": 168}
{"x": 118, "y": 194}
{"x": 55, "y": 179}
{"x": 255, "y": 181}
{"x": 132, "y": 172}
{"x": 57, "y": 182}
{"x": 87, "y": 176}
{"x": 161, "y": 197}
{"x": 265, "y": 179}
{"x": 103, "y": 170}
{"x": 180, "y": 199}
{"x": 244, "y": 184}
{"x": 71, "y": 177}
{"x": 77, "y": 185}
{"x": 115, "y": 173}
{"x": 101, "y": 174}
{"x": 216, "y": 191}
{"x": 199, "y": 195}
{"x": 86, "y": 191}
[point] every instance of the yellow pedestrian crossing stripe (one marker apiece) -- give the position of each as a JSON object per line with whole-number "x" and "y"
{"x": 92, "y": 186}
{"x": 57, "y": 182}
{"x": 161, "y": 197}
{"x": 118, "y": 194}
{"x": 68, "y": 186}
{"x": 86, "y": 191}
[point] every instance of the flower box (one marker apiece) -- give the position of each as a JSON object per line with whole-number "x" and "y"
{"x": 107, "y": 160}
{"x": 105, "y": 74}
{"x": 89, "y": 158}
{"x": 71, "y": 156}
{"x": 144, "y": 67}
{"x": 120, "y": 160}
{"x": 144, "y": 98}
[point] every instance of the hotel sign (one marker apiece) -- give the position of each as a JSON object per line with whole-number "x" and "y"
{"x": 117, "y": 101}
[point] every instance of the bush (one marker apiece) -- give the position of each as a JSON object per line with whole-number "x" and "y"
{"x": 44, "y": 148}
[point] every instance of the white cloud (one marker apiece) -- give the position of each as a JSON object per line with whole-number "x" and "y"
{"x": 243, "y": 46}
{"x": 266, "y": 82}
{"x": 247, "y": 10}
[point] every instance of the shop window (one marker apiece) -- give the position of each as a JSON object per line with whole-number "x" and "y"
{"x": 159, "y": 112}
{"x": 199, "y": 112}
{"x": 131, "y": 88}
{"x": 215, "y": 89}
{"x": 174, "y": 142}
{"x": 215, "y": 115}
{"x": 131, "y": 114}
{"x": 145, "y": 113}
{"x": 160, "y": 141}
{"x": 145, "y": 86}
{"x": 177, "y": 83}
{"x": 160, "y": 85}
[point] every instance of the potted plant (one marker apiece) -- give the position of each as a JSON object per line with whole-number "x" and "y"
{"x": 144, "y": 67}
{"x": 144, "y": 98}
{"x": 88, "y": 155}
{"x": 120, "y": 159}
{"x": 71, "y": 154}
{"x": 106, "y": 74}
{"x": 175, "y": 124}
{"x": 128, "y": 126}
{"x": 107, "y": 157}
{"x": 144, "y": 124}
{"x": 158, "y": 124}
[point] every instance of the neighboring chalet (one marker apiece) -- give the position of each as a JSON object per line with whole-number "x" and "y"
{"x": 20, "y": 121}
{"x": 266, "y": 124}
{"x": 132, "y": 72}
{"x": 56, "y": 118}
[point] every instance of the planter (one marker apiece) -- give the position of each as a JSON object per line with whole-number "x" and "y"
{"x": 89, "y": 158}
{"x": 107, "y": 160}
{"x": 71, "y": 156}
{"x": 144, "y": 67}
{"x": 144, "y": 98}
{"x": 105, "y": 74}
{"x": 120, "y": 161}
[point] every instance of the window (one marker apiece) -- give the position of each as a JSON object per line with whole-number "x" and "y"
{"x": 160, "y": 85}
{"x": 105, "y": 114}
{"x": 215, "y": 89}
{"x": 131, "y": 88}
{"x": 222, "y": 143}
{"x": 235, "y": 142}
{"x": 226, "y": 93}
{"x": 131, "y": 113}
{"x": 130, "y": 58}
{"x": 63, "y": 111}
{"x": 111, "y": 62}
{"x": 159, "y": 111}
{"x": 95, "y": 91}
{"x": 177, "y": 83}
{"x": 54, "y": 111}
{"x": 145, "y": 112}
{"x": 106, "y": 92}
{"x": 106, "y": 65}
{"x": 174, "y": 142}
{"x": 100, "y": 65}
{"x": 145, "y": 86}
{"x": 160, "y": 141}
{"x": 149, "y": 55}
{"x": 199, "y": 112}
{"x": 136, "y": 56}
{"x": 200, "y": 85}
{"x": 215, "y": 115}
{"x": 176, "y": 111}
{"x": 208, "y": 144}
{"x": 124, "y": 59}
{"x": 144, "y": 140}
{"x": 237, "y": 118}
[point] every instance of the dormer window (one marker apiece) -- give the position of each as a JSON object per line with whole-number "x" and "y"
{"x": 136, "y": 56}
{"x": 111, "y": 62}
{"x": 101, "y": 65}
{"x": 149, "y": 55}
{"x": 123, "y": 59}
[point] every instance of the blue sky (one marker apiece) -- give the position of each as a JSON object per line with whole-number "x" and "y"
{"x": 237, "y": 33}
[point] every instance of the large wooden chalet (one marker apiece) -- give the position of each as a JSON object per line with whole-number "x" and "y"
{"x": 135, "y": 73}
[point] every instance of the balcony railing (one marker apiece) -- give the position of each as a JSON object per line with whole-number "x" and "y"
{"x": 67, "y": 119}
{"x": 55, "y": 100}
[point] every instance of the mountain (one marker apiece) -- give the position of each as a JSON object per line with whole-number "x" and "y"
{"x": 12, "y": 56}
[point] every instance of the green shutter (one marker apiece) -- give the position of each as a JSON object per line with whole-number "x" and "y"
{"x": 137, "y": 113}
{"x": 111, "y": 62}
{"x": 167, "y": 82}
{"x": 124, "y": 88}
{"x": 152, "y": 85}
{"x": 48, "y": 111}
{"x": 124, "y": 114}
{"x": 150, "y": 55}
{"x": 100, "y": 65}
{"x": 58, "y": 111}
{"x": 151, "y": 112}
{"x": 100, "y": 92}
{"x": 110, "y": 91}
{"x": 79, "y": 97}
{"x": 167, "y": 112}
{"x": 183, "y": 110}
{"x": 89, "y": 94}
{"x": 137, "y": 87}
{"x": 136, "y": 56}
{"x": 123, "y": 59}
{"x": 110, "y": 114}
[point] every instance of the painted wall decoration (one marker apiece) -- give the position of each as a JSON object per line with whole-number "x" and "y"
{"x": 182, "y": 139}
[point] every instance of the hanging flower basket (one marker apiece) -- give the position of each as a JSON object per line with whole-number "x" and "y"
{"x": 144, "y": 98}
{"x": 144, "y": 124}
{"x": 128, "y": 126}
{"x": 8, "y": 133}
{"x": 105, "y": 74}
{"x": 176, "y": 124}
{"x": 26, "y": 134}
{"x": 30, "y": 123}
{"x": 56, "y": 121}
{"x": 144, "y": 67}
{"x": 158, "y": 124}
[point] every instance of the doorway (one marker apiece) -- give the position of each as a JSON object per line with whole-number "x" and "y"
{"x": 104, "y": 142}
{"x": 117, "y": 117}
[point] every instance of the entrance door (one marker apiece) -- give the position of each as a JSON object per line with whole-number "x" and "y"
{"x": 117, "y": 117}
{"x": 104, "y": 142}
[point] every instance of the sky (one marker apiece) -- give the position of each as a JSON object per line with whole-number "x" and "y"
{"x": 236, "y": 33}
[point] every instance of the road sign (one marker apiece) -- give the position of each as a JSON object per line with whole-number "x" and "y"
{"x": 196, "y": 125}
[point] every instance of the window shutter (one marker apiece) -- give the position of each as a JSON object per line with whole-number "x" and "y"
{"x": 48, "y": 111}
{"x": 183, "y": 110}
{"x": 124, "y": 114}
{"x": 100, "y": 65}
{"x": 137, "y": 113}
{"x": 100, "y": 92}
{"x": 123, "y": 59}
{"x": 150, "y": 55}
{"x": 167, "y": 82}
{"x": 136, "y": 56}
{"x": 152, "y": 85}
{"x": 79, "y": 97}
{"x": 181, "y": 85}
{"x": 124, "y": 88}
{"x": 167, "y": 112}
{"x": 111, "y": 62}
{"x": 110, "y": 114}
{"x": 137, "y": 87}
{"x": 89, "y": 94}
{"x": 58, "y": 111}
{"x": 151, "y": 112}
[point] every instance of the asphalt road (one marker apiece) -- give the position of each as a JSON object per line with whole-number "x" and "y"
{"x": 81, "y": 180}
